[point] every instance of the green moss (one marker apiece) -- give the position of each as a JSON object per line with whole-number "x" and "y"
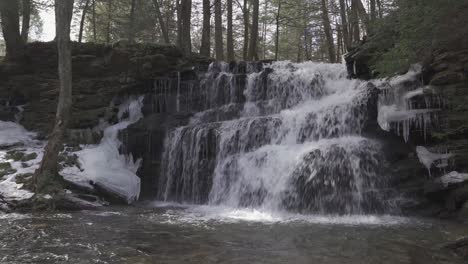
{"x": 68, "y": 160}
{"x": 18, "y": 155}
{"x": 6, "y": 169}
{"x": 29, "y": 157}
{"x": 14, "y": 155}
{"x": 26, "y": 179}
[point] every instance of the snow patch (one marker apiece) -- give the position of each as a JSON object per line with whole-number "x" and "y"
{"x": 12, "y": 134}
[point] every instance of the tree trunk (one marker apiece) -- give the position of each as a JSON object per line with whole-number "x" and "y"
{"x": 94, "y": 22}
{"x": 46, "y": 178}
{"x": 109, "y": 21}
{"x": 246, "y": 14}
{"x": 230, "y": 38}
{"x": 179, "y": 23}
{"x": 355, "y": 21}
{"x": 161, "y": 22}
{"x": 205, "y": 49}
{"x": 83, "y": 18}
{"x": 373, "y": 11}
{"x": 219, "y": 49}
{"x": 363, "y": 15}
{"x": 186, "y": 15}
{"x": 253, "y": 55}
{"x": 277, "y": 37}
{"x": 339, "y": 36}
{"x": 131, "y": 24}
{"x": 9, "y": 13}
{"x": 26, "y": 20}
{"x": 344, "y": 24}
{"x": 328, "y": 32}
{"x": 379, "y": 6}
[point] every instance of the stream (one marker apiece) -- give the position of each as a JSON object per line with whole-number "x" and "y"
{"x": 172, "y": 233}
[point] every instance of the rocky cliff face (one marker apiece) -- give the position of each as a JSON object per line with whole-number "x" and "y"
{"x": 103, "y": 78}
{"x": 437, "y": 96}
{"x": 100, "y": 73}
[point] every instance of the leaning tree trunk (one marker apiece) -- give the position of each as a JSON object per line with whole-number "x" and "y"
{"x": 328, "y": 32}
{"x": 26, "y": 20}
{"x": 9, "y": 13}
{"x": 205, "y": 49}
{"x": 83, "y": 18}
{"x": 219, "y": 49}
{"x": 46, "y": 178}
{"x": 230, "y": 38}
{"x": 253, "y": 55}
{"x": 162, "y": 23}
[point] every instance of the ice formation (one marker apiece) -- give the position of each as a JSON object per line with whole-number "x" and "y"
{"x": 428, "y": 159}
{"x": 15, "y": 136}
{"x": 398, "y": 112}
{"x": 103, "y": 164}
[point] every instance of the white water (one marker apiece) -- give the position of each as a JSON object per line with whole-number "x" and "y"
{"x": 296, "y": 144}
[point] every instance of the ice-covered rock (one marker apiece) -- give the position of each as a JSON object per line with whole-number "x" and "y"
{"x": 103, "y": 165}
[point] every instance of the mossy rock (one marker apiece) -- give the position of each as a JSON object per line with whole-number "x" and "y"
{"x": 26, "y": 179}
{"x": 30, "y": 156}
{"x": 15, "y": 155}
{"x": 18, "y": 155}
{"x": 68, "y": 160}
{"x": 6, "y": 169}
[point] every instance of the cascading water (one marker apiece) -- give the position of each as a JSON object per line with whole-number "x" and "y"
{"x": 277, "y": 137}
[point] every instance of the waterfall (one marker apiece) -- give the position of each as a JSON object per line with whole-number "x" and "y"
{"x": 279, "y": 136}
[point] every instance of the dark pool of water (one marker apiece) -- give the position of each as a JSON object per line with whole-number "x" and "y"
{"x": 168, "y": 234}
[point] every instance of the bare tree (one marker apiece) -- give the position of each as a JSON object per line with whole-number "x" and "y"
{"x": 219, "y": 49}
{"x": 94, "y": 22}
{"x": 246, "y": 14}
{"x": 25, "y": 24}
{"x": 253, "y": 51}
{"x": 277, "y": 37}
{"x": 344, "y": 25}
{"x": 205, "y": 49}
{"x": 230, "y": 39}
{"x": 46, "y": 177}
{"x": 9, "y": 14}
{"x": 162, "y": 23}
{"x": 109, "y": 21}
{"x": 185, "y": 26}
{"x": 363, "y": 15}
{"x": 355, "y": 21}
{"x": 83, "y": 18}
{"x": 328, "y": 32}
{"x": 373, "y": 10}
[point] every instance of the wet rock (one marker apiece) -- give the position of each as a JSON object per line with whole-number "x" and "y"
{"x": 83, "y": 136}
{"x": 6, "y": 169}
{"x": 447, "y": 77}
